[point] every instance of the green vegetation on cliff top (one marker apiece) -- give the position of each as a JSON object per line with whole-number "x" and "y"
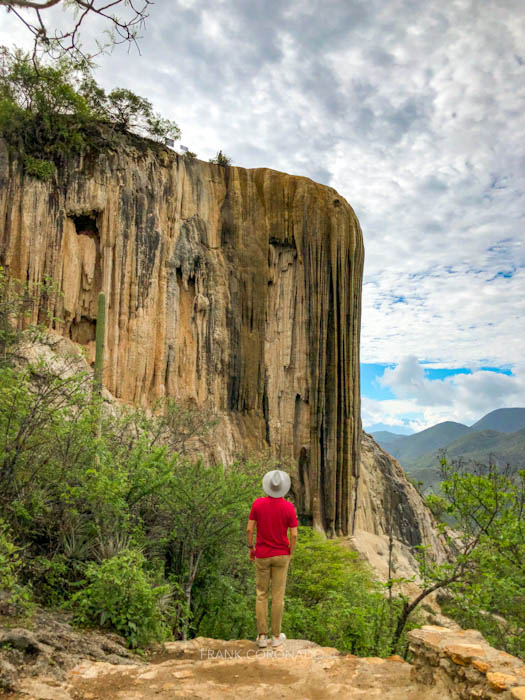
{"x": 49, "y": 112}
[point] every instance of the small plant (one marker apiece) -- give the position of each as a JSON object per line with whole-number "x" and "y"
{"x": 13, "y": 596}
{"x": 39, "y": 167}
{"x": 119, "y": 595}
{"x": 221, "y": 159}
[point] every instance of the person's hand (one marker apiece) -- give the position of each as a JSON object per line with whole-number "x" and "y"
{"x": 252, "y": 554}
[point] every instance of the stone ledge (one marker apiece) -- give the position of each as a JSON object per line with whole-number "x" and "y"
{"x": 466, "y": 664}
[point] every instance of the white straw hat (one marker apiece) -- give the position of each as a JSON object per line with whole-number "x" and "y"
{"x": 276, "y": 483}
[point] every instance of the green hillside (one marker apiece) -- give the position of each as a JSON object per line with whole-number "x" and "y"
{"x": 386, "y": 439}
{"x": 412, "y": 446}
{"x": 498, "y": 434}
{"x": 504, "y": 420}
{"x": 386, "y": 435}
{"x": 483, "y": 446}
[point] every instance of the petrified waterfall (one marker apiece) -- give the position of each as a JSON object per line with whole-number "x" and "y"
{"x": 233, "y": 287}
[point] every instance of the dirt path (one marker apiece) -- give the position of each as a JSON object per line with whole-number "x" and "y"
{"x": 208, "y": 669}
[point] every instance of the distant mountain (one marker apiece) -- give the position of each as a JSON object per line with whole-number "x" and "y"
{"x": 505, "y": 420}
{"x": 386, "y": 439}
{"x": 386, "y": 435}
{"x": 411, "y": 446}
{"x": 498, "y": 437}
{"x": 407, "y": 448}
{"x": 479, "y": 447}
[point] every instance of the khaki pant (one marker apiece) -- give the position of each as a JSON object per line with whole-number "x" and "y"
{"x": 270, "y": 570}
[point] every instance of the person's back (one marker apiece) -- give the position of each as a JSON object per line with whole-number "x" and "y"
{"x": 273, "y": 517}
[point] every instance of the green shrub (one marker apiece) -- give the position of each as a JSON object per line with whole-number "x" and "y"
{"x": 14, "y": 595}
{"x": 53, "y": 580}
{"x": 333, "y": 599}
{"x": 38, "y": 167}
{"x": 120, "y": 595}
{"x": 438, "y": 505}
{"x": 51, "y": 111}
{"x": 224, "y": 599}
{"x": 221, "y": 159}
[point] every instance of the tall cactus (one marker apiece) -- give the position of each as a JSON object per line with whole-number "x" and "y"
{"x": 100, "y": 345}
{"x": 99, "y": 365}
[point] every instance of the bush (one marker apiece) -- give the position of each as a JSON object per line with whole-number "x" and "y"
{"x": 332, "y": 598}
{"x": 120, "y": 595}
{"x": 438, "y": 505}
{"x": 224, "y": 598}
{"x": 38, "y": 167}
{"x": 221, "y": 159}
{"x": 48, "y": 112}
{"x": 53, "y": 580}
{"x": 13, "y": 596}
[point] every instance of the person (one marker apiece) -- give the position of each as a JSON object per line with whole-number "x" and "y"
{"x": 273, "y": 517}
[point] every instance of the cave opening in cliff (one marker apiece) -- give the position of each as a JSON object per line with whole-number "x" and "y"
{"x": 86, "y": 224}
{"x": 83, "y": 330}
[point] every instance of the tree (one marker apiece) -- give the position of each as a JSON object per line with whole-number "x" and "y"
{"x": 205, "y": 505}
{"x": 221, "y": 159}
{"x": 485, "y": 576}
{"x": 48, "y": 112}
{"x": 130, "y": 112}
{"x": 120, "y": 28}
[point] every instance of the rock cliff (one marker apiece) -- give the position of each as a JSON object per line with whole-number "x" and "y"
{"x": 233, "y": 287}
{"x": 239, "y": 289}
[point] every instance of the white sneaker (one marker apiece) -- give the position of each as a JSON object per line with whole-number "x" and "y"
{"x": 262, "y": 641}
{"x": 277, "y": 641}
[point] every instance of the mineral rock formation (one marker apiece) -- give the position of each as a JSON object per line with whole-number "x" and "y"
{"x": 385, "y": 500}
{"x": 233, "y": 287}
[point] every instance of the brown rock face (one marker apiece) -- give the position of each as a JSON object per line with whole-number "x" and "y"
{"x": 385, "y": 499}
{"x": 241, "y": 288}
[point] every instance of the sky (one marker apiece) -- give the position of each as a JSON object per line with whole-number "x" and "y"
{"x": 414, "y": 110}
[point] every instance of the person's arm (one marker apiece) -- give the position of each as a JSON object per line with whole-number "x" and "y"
{"x": 249, "y": 532}
{"x": 293, "y": 539}
{"x": 249, "y": 537}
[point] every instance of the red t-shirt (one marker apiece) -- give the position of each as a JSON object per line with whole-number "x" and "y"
{"x": 273, "y": 517}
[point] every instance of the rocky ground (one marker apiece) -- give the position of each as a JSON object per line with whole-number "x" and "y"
{"x": 48, "y": 646}
{"x": 206, "y": 669}
{"x": 54, "y": 661}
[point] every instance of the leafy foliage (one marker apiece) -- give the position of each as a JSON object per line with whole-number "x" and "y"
{"x": 48, "y": 112}
{"x": 121, "y": 595}
{"x": 333, "y": 599}
{"x": 488, "y": 508}
{"x": 39, "y": 167}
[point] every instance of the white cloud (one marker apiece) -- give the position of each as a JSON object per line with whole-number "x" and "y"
{"x": 413, "y": 111}
{"x": 421, "y": 402}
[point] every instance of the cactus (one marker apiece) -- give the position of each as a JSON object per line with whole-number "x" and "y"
{"x": 100, "y": 343}
{"x": 99, "y": 366}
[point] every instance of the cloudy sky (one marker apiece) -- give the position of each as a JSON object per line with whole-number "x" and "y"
{"x": 414, "y": 111}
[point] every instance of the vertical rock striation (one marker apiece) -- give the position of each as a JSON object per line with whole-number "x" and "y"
{"x": 233, "y": 287}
